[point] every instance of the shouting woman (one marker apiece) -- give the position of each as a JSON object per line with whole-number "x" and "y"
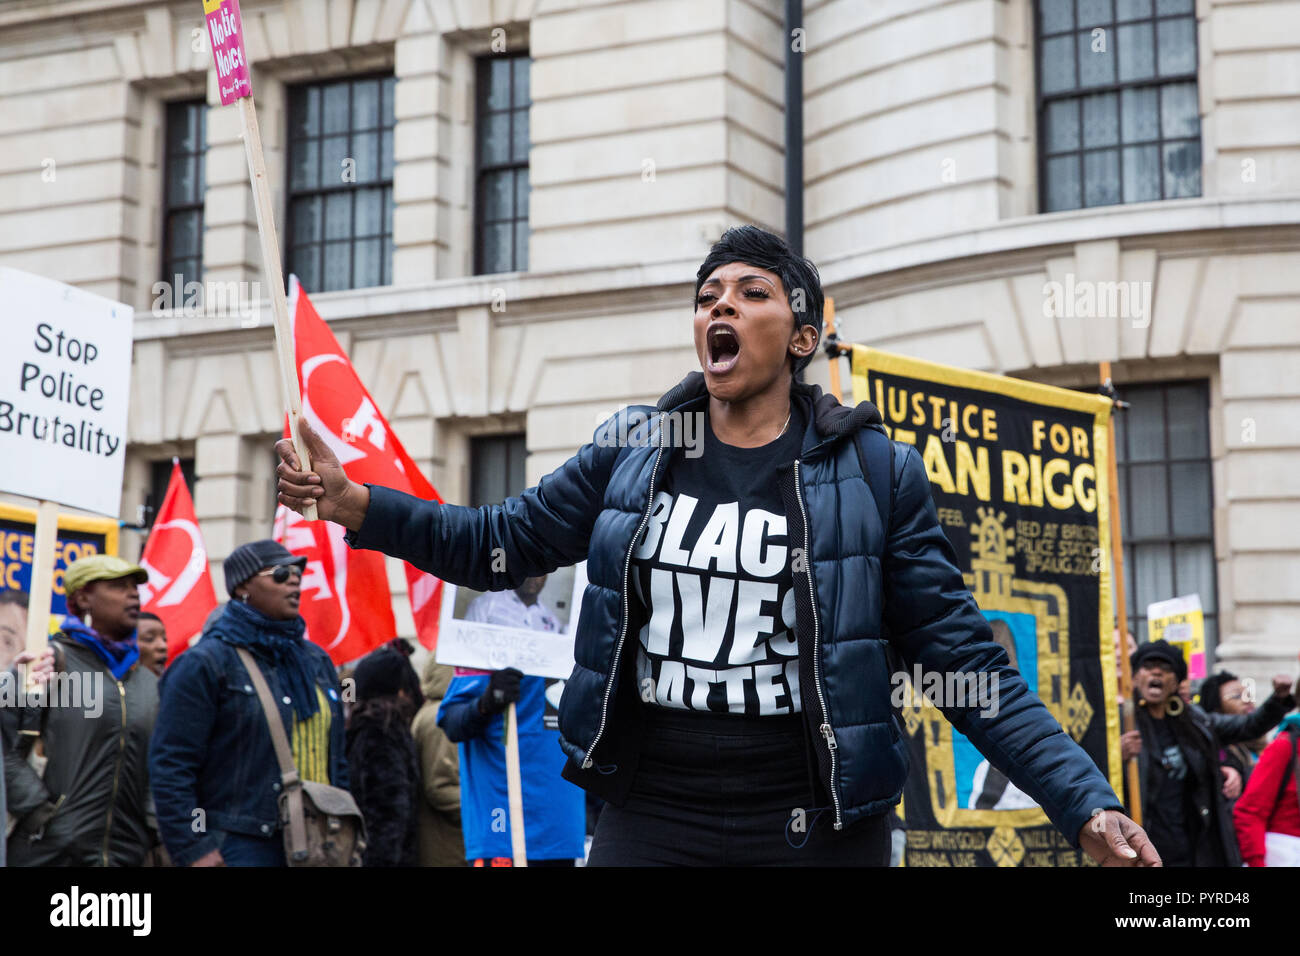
{"x": 730, "y": 699}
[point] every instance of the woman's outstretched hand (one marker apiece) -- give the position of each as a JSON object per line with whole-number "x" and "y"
{"x": 338, "y": 498}
{"x": 1112, "y": 839}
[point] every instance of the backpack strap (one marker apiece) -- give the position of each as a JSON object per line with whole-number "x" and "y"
{"x": 876, "y": 455}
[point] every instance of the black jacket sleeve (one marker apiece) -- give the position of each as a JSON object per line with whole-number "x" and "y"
{"x": 494, "y": 548}
{"x": 1235, "y": 728}
{"x": 934, "y": 621}
{"x": 25, "y": 791}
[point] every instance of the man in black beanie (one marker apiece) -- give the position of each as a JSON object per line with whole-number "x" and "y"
{"x": 212, "y": 747}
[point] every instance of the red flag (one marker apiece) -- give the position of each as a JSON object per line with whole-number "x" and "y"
{"x": 179, "y": 589}
{"x": 345, "y": 597}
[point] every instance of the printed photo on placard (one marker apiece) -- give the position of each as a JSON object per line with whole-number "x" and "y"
{"x": 529, "y": 627}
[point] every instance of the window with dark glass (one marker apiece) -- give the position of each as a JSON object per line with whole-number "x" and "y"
{"x": 1117, "y": 104}
{"x": 160, "y": 475}
{"x": 183, "y": 185}
{"x": 1162, "y": 451}
{"x": 501, "y": 182}
{"x": 340, "y": 229}
{"x": 496, "y": 468}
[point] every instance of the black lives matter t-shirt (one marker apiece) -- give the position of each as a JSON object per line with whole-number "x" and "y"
{"x": 712, "y": 574}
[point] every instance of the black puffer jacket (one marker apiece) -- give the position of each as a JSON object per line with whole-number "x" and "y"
{"x": 385, "y": 779}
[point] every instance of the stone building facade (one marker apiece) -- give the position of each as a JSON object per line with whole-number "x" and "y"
{"x": 934, "y": 146}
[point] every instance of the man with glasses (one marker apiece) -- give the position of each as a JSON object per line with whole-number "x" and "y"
{"x": 212, "y": 765}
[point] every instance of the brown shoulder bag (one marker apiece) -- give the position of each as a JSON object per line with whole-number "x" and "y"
{"x": 322, "y": 824}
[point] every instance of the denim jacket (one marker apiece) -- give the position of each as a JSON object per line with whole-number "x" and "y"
{"x": 212, "y": 765}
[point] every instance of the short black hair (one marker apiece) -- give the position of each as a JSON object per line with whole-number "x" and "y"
{"x": 1212, "y": 691}
{"x": 150, "y": 616}
{"x": 16, "y": 598}
{"x": 758, "y": 247}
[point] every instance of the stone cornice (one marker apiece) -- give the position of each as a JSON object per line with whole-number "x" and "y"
{"x": 1177, "y": 227}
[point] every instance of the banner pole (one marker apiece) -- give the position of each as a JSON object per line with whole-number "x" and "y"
{"x": 515, "y": 788}
{"x": 38, "y": 604}
{"x": 1127, "y": 721}
{"x": 833, "y": 351}
{"x": 274, "y": 272}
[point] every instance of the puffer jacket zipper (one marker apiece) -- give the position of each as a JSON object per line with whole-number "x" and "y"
{"x": 117, "y": 770}
{"x": 827, "y": 732}
{"x": 622, "y": 634}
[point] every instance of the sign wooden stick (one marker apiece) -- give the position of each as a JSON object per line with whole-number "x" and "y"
{"x": 272, "y": 268}
{"x": 234, "y": 82}
{"x": 515, "y": 788}
{"x": 38, "y": 604}
{"x": 1127, "y": 722}
{"x": 829, "y": 331}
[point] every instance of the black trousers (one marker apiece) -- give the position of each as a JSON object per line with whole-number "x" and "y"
{"x": 716, "y": 790}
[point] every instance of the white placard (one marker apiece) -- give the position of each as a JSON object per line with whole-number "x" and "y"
{"x": 492, "y": 647}
{"x": 65, "y": 381}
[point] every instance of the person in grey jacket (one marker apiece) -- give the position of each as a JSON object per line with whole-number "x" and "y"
{"x": 91, "y": 805}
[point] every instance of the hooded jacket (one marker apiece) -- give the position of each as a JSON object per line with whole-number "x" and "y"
{"x": 441, "y": 843}
{"x": 865, "y": 584}
{"x": 91, "y": 807}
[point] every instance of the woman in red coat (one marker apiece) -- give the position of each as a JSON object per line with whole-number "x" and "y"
{"x": 1267, "y": 816}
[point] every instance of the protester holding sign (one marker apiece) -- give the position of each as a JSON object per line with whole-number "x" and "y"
{"x": 554, "y": 810}
{"x": 216, "y": 781}
{"x": 1185, "y": 807}
{"x": 90, "y": 808}
{"x": 731, "y": 694}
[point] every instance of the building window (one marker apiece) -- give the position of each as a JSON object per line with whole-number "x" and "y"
{"x": 341, "y": 183}
{"x": 501, "y": 181}
{"x": 183, "y": 164}
{"x": 160, "y": 475}
{"x": 496, "y": 469}
{"x": 1162, "y": 450}
{"x": 1118, "y": 120}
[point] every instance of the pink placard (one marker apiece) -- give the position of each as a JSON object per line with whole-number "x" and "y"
{"x": 226, "y": 31}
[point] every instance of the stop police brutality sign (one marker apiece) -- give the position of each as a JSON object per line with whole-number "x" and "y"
{"x": 65, "y": 380}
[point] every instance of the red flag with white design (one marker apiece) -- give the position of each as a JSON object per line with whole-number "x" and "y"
{"x": 179, "y": 589}
{"x": 341, "y": 596}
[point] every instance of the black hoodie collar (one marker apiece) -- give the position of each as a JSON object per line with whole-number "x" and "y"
{"x": 829, "y": 420}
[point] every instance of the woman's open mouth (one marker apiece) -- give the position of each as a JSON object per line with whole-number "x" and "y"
{"x": 723, "y": 347}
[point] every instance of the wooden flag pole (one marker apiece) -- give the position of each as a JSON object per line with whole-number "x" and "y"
{"x": 274, "y": 272}
{"x": 515, "y": 788}
{"x": 38, "y": 604}
{"x": 1127, "y": 721}
{"x": 834, "y": 352}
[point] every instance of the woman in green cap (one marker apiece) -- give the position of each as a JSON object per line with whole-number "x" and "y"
{"x": 89, "y": 807}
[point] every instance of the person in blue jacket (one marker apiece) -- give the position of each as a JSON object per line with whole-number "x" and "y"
{"x": 212, "y": 767}
{"x": 471, "y": 715}
{"x": 756, "y": 553}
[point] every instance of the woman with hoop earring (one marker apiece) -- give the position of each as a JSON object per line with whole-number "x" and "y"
{"x": 1186, "y": 806}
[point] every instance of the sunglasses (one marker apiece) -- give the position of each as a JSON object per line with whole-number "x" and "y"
{"x": 280, "y": 573}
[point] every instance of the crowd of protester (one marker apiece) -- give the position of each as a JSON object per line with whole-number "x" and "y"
{"x": 174, "y": 764}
